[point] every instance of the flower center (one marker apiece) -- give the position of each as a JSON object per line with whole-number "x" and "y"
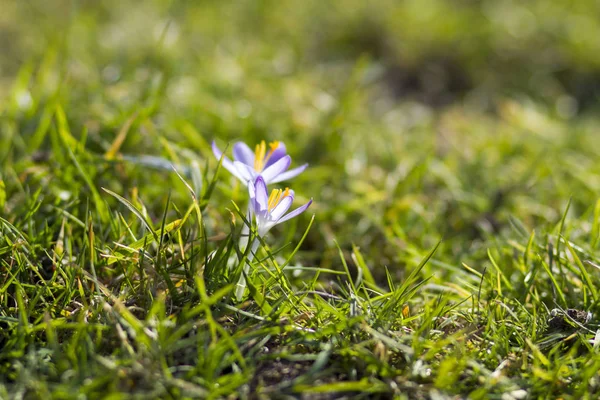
{"x": 276, "y": 196}
{"x": 261, "y": 156}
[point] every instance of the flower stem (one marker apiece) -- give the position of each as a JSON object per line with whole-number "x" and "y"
{"x": 240, "y": 287}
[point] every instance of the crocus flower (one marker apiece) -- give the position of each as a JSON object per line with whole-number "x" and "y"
{"x": 272, "y": 163}
{"x": 271, "y": 210}
{"x": 268, "y": 212}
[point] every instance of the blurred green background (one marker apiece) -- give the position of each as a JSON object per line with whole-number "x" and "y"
{"x": 421, "y": 119}
{"x": 433, "y": 52}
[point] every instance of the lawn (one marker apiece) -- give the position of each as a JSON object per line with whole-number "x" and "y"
{"x": 451, "y": 249}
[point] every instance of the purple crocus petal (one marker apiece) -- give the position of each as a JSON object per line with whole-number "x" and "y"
{"x": 245, "y": 171}
{"x": 270, "y": 173}
{"x": 243, "y": 153}
{"x": 261, "y": 195}
{"x": 289, "y": 174}
{"x": 281, "y": 208}
{"x": 279, "y": 152}
{"x": 295, "y": 213}
{"x": 226, "y": 163}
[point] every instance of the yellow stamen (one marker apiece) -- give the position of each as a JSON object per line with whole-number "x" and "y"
{"x": 276, "y": 196}
{"x": 261, "y": 156}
